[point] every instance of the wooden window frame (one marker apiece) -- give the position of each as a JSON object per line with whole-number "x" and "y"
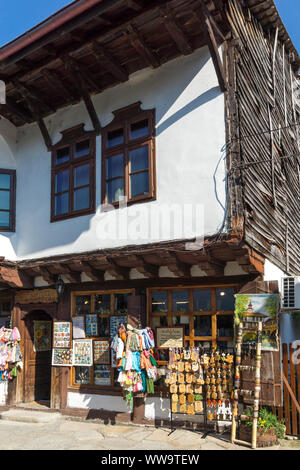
{"x": 123, "y": 119}
{"x": 213, "y": 312}
{"x": 112, "y": 293}
{"x": 12, "y": 202}
{"x": 70, "y": 138}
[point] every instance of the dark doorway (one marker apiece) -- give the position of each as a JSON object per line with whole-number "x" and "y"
{"x": 37, "y": 363}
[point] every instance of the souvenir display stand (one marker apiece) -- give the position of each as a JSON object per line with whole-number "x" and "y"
{"x": 200, "y": 383}
{"x": 257, "y": 328}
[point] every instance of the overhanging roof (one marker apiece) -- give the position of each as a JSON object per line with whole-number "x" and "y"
{"x": 103, "y": 42}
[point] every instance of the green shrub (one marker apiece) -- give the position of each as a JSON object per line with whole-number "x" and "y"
{"x": 266, "y": 421}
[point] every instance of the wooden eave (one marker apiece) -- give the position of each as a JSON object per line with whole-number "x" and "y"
{"x": 211, "y": 258}
{"x": 102, "y": 52}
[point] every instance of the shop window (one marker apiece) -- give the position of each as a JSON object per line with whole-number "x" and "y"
{"x": 225, "y": 299}
{"x": 128, "y": 156}
{"x": 7, "y": 200}
{"x": 206, "y": 315}
{"x": 5, "y": 313}
{"x": 73, "y": 175}
{"x": 102, "y": 313}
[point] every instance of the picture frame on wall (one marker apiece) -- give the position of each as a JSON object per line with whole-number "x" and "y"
{"x": 62, "y": 335}
{"x": 82, "y": 352}
{"x": 62, "y": 357}
{"x": 78, "y": 327}
{"x": 101, "y": 352}
{"x": 91, "y": 325}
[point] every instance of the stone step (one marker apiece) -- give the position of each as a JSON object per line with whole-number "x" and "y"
{"x": 30, "y": 416}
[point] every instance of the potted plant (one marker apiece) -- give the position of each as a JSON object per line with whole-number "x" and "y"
{"x": 269, "y": 428}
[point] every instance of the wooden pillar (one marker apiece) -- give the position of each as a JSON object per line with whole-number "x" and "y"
{"x": 138, "y": 414}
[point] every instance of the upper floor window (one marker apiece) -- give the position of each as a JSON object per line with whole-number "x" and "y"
{"x": 73, "y": 175}
{"x": 7, "y": 200}
{"x": 128, "y": 156}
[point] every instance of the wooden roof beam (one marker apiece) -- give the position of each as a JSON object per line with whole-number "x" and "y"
{"x": 175, "y": 31}
{"x": 79, "y": 82}
{"x": 119, "y": 272}
{"x": 15, "y": 278}
{"x": 85, "y": 267}
{"x": 115, "y": 69}
{"x": 55, "y": 82}
{"x": 206, "y": 19}
{"x": 141, "y": 47}
{"x": 147, "y": 269}
{"x": 212, "y": 266}
{"x": 12, "y": 107}
{"x": 177, "y": 267}
{"x": 34, "y": 96}
{"x": 134, "y": 5}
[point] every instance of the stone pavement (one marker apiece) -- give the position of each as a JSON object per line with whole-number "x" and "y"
{"x": 61, "y": 433}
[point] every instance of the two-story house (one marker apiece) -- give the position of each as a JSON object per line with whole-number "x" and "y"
{"x": 149, "y": 167}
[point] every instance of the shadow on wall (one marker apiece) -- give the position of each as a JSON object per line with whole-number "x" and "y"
{"x": 78, "y": 234}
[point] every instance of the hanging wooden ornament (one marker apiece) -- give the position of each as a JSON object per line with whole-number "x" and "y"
{"x": 198, "y": 406}
{"x": 189, "y": 378}
{"x": 182, "y": 408}
{"x": 182, "y": 399}
{"x": 174, "y": 407}
{"x": 187, "y": 367}
{"x": 180, "y": 366}
{"x": 175, "y": 397}
{"x": 181, "y": 378}
{"x": 182, "y": 388}
{"x": 173, "y": 388}
{"x": 190, "y": 410}
{"x": 195, "y": 366}
{"x": 191, "y": 398}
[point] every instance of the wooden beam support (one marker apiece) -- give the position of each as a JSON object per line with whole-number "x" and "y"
{"x": 115, "y": 69}
{"x": 212, "y": 267}
{"x": 141, "y": 47}
{"x": 147, "y": 269}
{"x": 79, "y": 81}
{"x": 119, "y": 272}
{"x": 33, "y": 96}
{"x": 56, "y": 83}
{"x": 205, "y": 18}
{"x": 170, "y": 260}
{"x": 12, "y": 107}
{"x": 15, "y": 278}
{"x": 134, "y": 5}
{"x": 175, "y": 31}
{"x": 85, "y": 267}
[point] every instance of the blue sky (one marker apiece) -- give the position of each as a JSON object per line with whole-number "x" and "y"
{"x": 17, "y": 16}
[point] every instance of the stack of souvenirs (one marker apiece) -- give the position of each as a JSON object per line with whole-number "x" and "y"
{"x": 10, "y": 353}
{"x": 195, "y": 377}
{"x": 136, "y": 364}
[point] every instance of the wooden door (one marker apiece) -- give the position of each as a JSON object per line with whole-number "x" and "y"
{"x": 37, "y": 363}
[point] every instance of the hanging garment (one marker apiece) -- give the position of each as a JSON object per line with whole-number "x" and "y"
{"x": 136, "y": 361}
{"x": 119, "y": 348}
{"x": 129, "y": 359}
{"x": 150, "y": 386}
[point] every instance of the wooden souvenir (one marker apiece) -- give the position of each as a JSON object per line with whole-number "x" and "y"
{"x": 182, "y": 399}
{"x": 186, "y": 355}
{"x": 180, "y": 366}
{"x": 194, "y": 356}
{"x": 181, "y": 379}
{"x": 195, "y": 366}
{"x": 189, "y": 378}
{"x": 198, "y": 389}
{"x": 182, "y": 388}
{"x": 175, "y": 397}
{"x": 182, "y": 408}
{"x": 174, "y": 407}
{"x": 173, "y": 388}
{"x": 173, "y": 378}
{"x": 189, "y": 388}
{"x": 187, "y": 367}
{"x": 191, "y": 398}
{"x": 190, "y": 410}
{"x": 198, "y": 406}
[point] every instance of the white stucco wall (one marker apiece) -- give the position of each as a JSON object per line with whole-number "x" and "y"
{"x": 190, "y": 129}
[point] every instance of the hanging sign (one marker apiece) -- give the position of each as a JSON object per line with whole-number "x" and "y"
{"x": 82, "y": 352}
{"x": 78, "y": 327}
{"x": 62, "y": 335}
{"x": 42, "y": 335}
{"x": 62, "y": 357}
{"x": 259, "y": 307}
{"x": 170, "y": 337}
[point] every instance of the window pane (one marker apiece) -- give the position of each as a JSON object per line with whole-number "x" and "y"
{"x": 139, "y": 184}
{"x": 115, "y": 166}
{"x": 82, "y": 375}
{"x": 4, "y": 200}
{"x": 139, "y": 129}
{"x": 202, "y": 325}
{"x": 202, "y": 300}
{"x": 62, "y": 155}
{"x": 102, "y": 303}
{"x": 180, "y": 301}
{"x": 115, "y": 190}
{"x": 62, "y": 181}
{"x": 161, "y": 320}
{"x": 4, "y": 219}
{"x": 121, "y": 303}
{"x": 139, "y": 159}
{"x": 159, "y": 301}
{"x": 182, "y": 320}
{"x": 4, "y": 181}
{"x": 81, "y": 199}
{"x": 225, "y": 299}
{"x": 62, "y": 204}
{"x": 225, "y": 326}
{"x": 104, "y": 327}
{"x": 82, "y": 304}
{"x": 115, "y": 137}
{"x": 82, "y": 148}
{"x": 102, "y": 375}
{"x": 81, "y": 176}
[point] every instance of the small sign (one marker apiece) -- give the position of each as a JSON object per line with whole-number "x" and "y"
{"x": 91, "y": 325}
{"x": 170, "y": 337}
{"x": 78, "y": 327}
